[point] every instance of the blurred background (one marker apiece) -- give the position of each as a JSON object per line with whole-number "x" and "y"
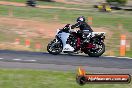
{"x": 24, "y": 27}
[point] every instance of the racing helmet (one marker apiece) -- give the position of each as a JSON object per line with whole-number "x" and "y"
{"x": 81, "y": 19}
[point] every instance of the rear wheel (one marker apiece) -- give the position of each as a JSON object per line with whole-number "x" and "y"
{"x": 97, "y": 51}
{"x": 55, "y": 47}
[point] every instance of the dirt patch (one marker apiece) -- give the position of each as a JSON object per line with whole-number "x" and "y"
{"x": 31, "y": 28}
{"x": 67, "y": 2}
{"x": 11, "y": 3}
{"x": 37, "y": 28}
{"x": 9, "y": 46}
{"x": 108, "y": 31}
{"x": 34, "y": 30}
{"x": 38, "y": 6}
{"x": 52, "y": 7}
{"x": 21, "y": 4}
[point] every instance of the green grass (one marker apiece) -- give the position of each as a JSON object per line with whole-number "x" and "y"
{"x": 14, "y": 0}
{"x": 65, "y": 16}
{"x": 5, "y": 30}
{"x": 68, "y": 16}
{"x": 46, "y": 79}
{"x": 129, "y": 53}
{"x": 57, "y": 4}
{"x": 100, "y": 19}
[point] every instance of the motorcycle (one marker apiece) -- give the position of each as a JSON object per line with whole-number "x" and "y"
{"x": 68, "y": 41}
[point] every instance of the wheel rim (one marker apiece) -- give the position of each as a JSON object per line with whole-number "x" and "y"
{"x": 98, "y": 48}
{"x": 55, "y": 47}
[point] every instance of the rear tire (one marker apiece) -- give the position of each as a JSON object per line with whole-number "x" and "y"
{"x": 57, "y": 47}
{"x": 97, "y": 54}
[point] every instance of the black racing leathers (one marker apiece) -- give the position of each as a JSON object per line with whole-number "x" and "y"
{"x": 82, "y": 26}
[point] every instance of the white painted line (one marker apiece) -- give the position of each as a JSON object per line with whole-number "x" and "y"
{"x": 1, "y": 58}
{"x": 119, "y": 57}
{"x": 109, "y": 56}
{"x": 125, "y": 57}
{"x": 16, "y": 59}
{"x": 24, "y": 60}
{"x": 29, "y": 60}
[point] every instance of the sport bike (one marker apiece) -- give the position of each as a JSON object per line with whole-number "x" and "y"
{"x": 68, "y": 41}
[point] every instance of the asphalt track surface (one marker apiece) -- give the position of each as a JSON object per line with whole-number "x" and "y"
{"x": 63, "y": 62}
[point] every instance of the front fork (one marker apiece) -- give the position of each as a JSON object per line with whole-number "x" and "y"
{"x": 56, "y": 40}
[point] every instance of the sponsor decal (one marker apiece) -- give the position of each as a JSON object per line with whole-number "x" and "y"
{"x": 66, "y": 49}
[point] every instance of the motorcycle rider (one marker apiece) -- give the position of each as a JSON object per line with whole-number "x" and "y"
{"x": 82, "y": 24}
{"x": 83, "y": 33}
{"x": 85, "y": 29}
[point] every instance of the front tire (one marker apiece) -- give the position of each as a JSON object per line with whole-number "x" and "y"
{"x": 97, "y": 52}
{"x": 55, "y": 47}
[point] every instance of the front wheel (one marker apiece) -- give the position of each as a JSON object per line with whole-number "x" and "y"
{"x": 55, "y": 47}
{"x": 97, "y": 51}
